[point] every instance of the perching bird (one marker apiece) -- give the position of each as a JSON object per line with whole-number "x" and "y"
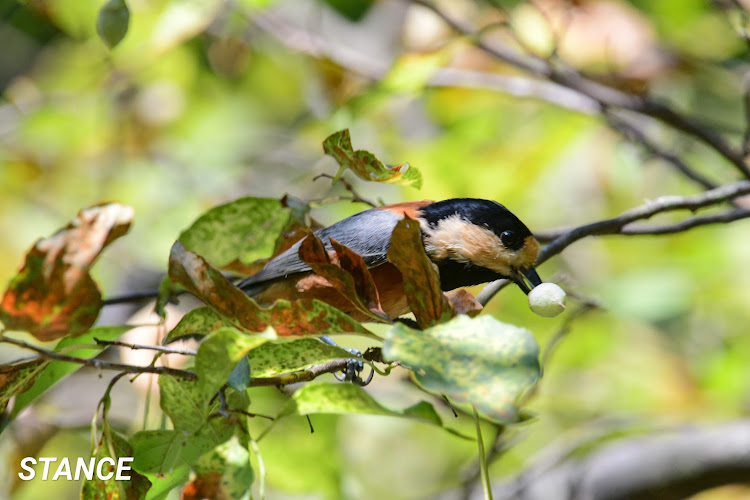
{"x": 471, "y": 241}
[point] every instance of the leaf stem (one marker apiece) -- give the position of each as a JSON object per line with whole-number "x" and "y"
{"x": 482, "y": 459}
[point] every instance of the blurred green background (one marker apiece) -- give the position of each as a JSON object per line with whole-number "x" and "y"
{"x": 207, "y": 101}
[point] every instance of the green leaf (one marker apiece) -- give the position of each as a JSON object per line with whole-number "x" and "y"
{"x": 200, "y": 321}
{"x": 161, "y": 451}
{"x": 239, "y": 379}
{"x": 17, "y": 378}
{"x": 301, "y": 317}
{"x": 349, "y": 399}
{"x": 245, "y": 229}
{"x": 477, "y": 361}
{"x": 421, "y": 278}
{"x": 365, "y": 165}
{"x": 272, "y": 359}
{"x": 184, "y": 402}
{"x": 219, "y": 354}
{"x": 353, "y": 10}
{"x": 224, "y": 472}
{"x": 55, "y": 371}
{"x": 53, "y": 295}
{"x": 112, "y": 22}
{"x": 99, "y": 489}
{"x": 161, "y": 485}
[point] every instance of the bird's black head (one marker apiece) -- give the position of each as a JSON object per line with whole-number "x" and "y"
{"x": 474, "y": 241}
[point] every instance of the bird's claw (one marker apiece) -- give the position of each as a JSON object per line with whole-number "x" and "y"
{"x": 354, "y": 366}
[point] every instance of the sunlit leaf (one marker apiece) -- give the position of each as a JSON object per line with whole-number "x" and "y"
{"x": 421, "y": 278}
{"x": 301, "y": 317}
{"x": 220, "y": 352}
{"x": 53, "y": 295}
{"x": 476, "y": 361}
{"x": 272, "y": 359}
{"x": 365, "y": 165}
{"x": 348, "y": 399}
{"x": 222, "y": 473}
{"x": 243, "y": 230}
{"x": 199, "y": 321}
{"x": 112, "y": 22}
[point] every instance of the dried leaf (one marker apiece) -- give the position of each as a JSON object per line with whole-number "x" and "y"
{"x": 301, "y": 317}
{"x": 421, "y": 278}
{"x": 53, "y": 295}
{"x": 314, "y": 254}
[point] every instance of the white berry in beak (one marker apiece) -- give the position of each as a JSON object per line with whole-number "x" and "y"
{"x": 547, "y": 300}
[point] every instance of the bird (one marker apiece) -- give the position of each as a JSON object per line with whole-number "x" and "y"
{"x": 470, "y": 240}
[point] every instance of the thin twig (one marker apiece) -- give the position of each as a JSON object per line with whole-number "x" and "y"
{"x": 564, "y": 238}
{"x": 355, "y": 197}
{"x": 98, "y": 363}
{"x": 163, "y": 349}
{"x": 635, "y": 134}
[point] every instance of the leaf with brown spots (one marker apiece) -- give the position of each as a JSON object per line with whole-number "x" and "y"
{"x": 301, "y": 317}
{"x": 222, "y": 474}
{"x": 421, "y": 279}
{"x": 53, "y": 295}
{"x": 364, "y": 164}
{"x": 17, "y": 378}
{"x": 354, "y": 281}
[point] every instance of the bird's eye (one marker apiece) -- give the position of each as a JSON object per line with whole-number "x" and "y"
{"x": 510, "y": 240}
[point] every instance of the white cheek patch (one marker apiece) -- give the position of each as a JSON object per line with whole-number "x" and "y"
{"x": 467, "y": 243}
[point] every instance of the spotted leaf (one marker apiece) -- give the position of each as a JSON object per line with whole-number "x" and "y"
{"x": 475, "y": 361}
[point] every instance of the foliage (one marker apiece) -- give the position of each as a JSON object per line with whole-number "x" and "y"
{"x": 208, "y": 405}
{"x": 200, "y": 115}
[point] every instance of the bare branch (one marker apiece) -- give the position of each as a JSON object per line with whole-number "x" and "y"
{"x": 604, "y": 95}
{"x": 279, "y": 380}
{"x": 98, "y": 363}
{"x": 159, "y": 348}
{"x": 678, "y": 227}
{"x": 635, "y": 134}
{"x": 564, "y": 238}
{"x": 667, "y": 465}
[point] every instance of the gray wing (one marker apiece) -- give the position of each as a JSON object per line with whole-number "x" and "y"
{"x": 368, "y": 233}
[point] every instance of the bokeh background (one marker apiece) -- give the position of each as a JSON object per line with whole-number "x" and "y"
{"x": 207, "y": 101}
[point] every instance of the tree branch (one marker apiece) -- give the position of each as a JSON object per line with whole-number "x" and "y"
{"x": 564, "y": 238}
{"x": 285, "y": 379}
{"x": 98, "y": 363}
{"x": 666, "y": 465}
{"x": 605, "y": 96}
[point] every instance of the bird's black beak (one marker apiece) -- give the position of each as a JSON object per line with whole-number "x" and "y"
{"x": 521, "y": 278}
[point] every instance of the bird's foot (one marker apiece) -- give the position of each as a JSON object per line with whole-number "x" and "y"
{"x": 354, "y": 366}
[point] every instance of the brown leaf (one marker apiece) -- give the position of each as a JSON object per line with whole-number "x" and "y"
{"x": 421, "y": 278}
{"x": 354, "y": 281}
{"x": 300, "y": 317}
{"x": 463, "y": 302}
{"x": 53, "y": 295}
{"x": 204, "y": 486}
